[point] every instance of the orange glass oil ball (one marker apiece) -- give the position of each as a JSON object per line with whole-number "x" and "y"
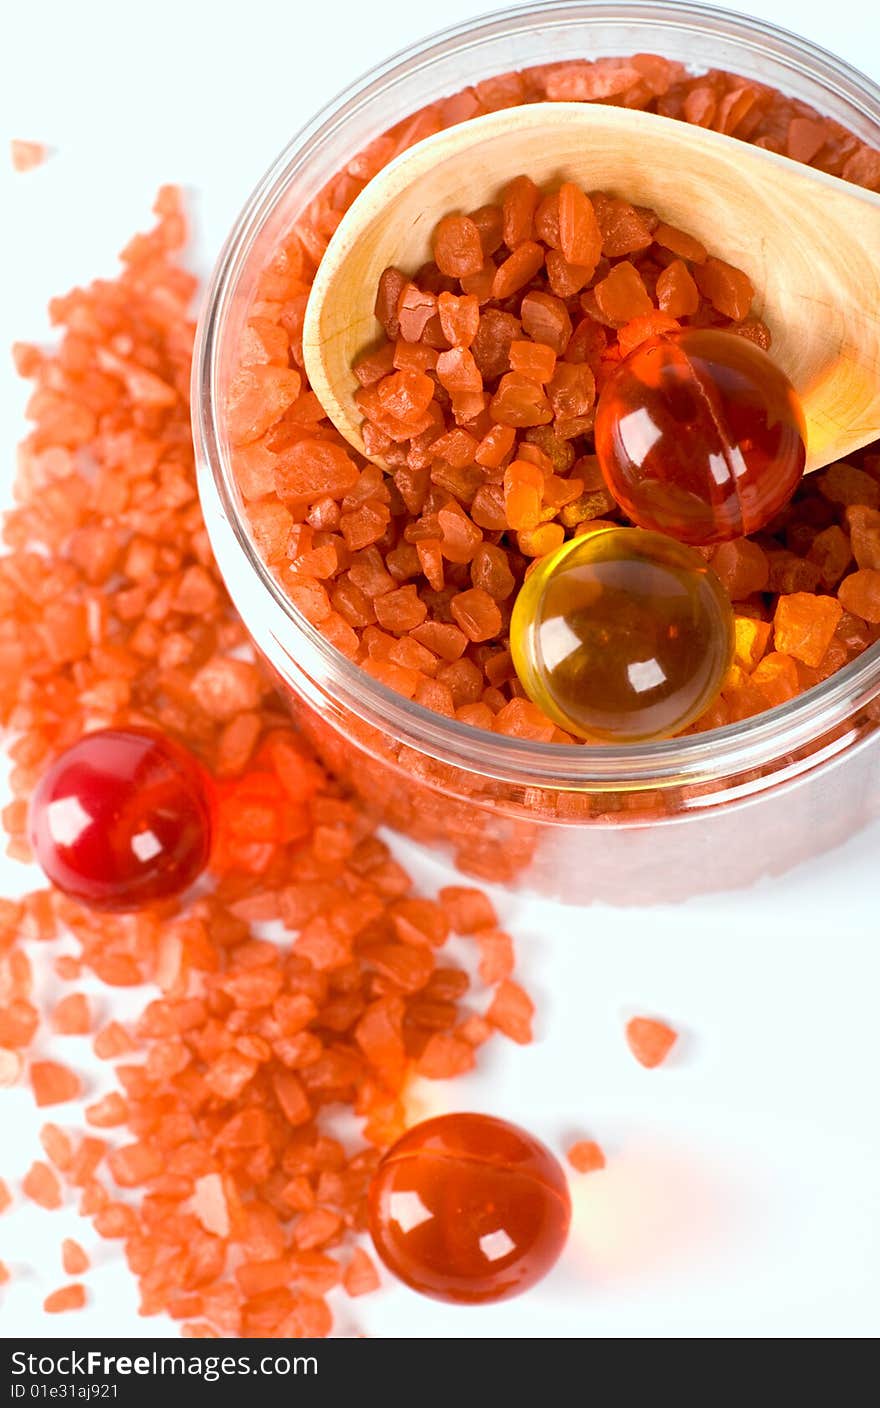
{"x": 468, "y": 1208}
{"x": 622, "y": 636}
{"x": 700, "y": 435}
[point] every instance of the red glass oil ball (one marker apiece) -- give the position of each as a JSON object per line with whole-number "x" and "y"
{"x": 700, "y": 435}
{"x": 468, "y": 1208}
{"x": 622, "y": 636}
{"x": 121, "y": 819}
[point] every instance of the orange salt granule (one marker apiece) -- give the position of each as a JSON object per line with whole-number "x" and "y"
{"x": 112, "y": 1041}
{"x": 804, "y": 625}
{"x": 5, "y": 1196}
{"x": 53, "y": 1083}
{"x": 57, "y": 1146}
{"x": 41, "y": 1185}
{"x": 511, "y": 1011}
{"x": 585, "y": 1156}
{"x": 71, "y": 1297}
{"x": 360, "y": 1276}
{"x": 649, "y": 1040}
{"x": 27, "y": 155}
{"x": 71, "y": 1016}
{"x": 11, "y": 1067}
{"x": 73, "y": 1258}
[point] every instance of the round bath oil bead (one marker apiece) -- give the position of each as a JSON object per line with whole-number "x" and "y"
{"x": 622, "y": 636}
{"x": 122, "y": 819}
{"x": 468, "y": 1208}
{"x": 700, "y": 435}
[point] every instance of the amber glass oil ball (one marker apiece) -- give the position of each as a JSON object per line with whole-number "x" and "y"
{"x": 122, "y": 819}
{"x": 699, "y": 434}
{"x": 622, "y": 636}
{"x": 468, "y": 1208}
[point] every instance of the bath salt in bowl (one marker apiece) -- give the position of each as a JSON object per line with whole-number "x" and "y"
{"x": 386, "y": 632}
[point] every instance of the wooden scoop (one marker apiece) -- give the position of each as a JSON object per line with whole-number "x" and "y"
{"x": 809, "y": 242}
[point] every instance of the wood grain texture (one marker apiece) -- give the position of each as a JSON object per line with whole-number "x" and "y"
{"x": 809, "y": 242}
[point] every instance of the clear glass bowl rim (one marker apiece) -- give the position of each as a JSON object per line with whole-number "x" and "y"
{"x": 720, "y": 753}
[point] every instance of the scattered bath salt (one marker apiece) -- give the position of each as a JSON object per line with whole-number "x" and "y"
{"x": 71, "y": 1297}
{"x": 27, "y": 155}
{"x": 585, "y": 1156}
{"x": 236, "y": 1209}
{"x": 41, "y": 1185}
{"x": 73, "y": 1258}
{"x": 649, "y": 1040}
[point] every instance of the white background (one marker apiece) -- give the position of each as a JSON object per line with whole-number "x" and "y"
{"x": 742, "y": 1194}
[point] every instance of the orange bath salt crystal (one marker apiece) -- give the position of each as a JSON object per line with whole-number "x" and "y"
{"x": 518, "y": 205}
{"x": 516, "y": 271}
{"x": 572, "y": 391}
{"x": 400, "y": 610}
{"x": 727, "y": 289}
{"x": 776, "y": 676}
{"x": 496, "y": 954}
{"x": 533, "y": 360}
{"x": 650, "y": 1040}
{"x": 677, "y": 294}
{"x": 53, "y": 1083}
{"x": 477, "y": 614}
{"x": 5, "y": 1275}
{"x": 109, "y": 1111}
{"x": 490, "y": 570}
{"x": 71, "y": 1015}
{"x": 459, "y": 318}
{"x": 520, "y": 402}
{"x": 546, "y": 320}
{"x": 805, "y": 138}
{"x": 444, "y": 1057}
{"x": 19, "y": 1021}
{"x": 864, "y": 533}
{"x": 859, "y": 593}
{"x": 457, "y": 248}
{"x": 41, "y": 1185}
{"x": 112, "y": 1041}
{"x": 27, "y": 155}
{"x": 5, "y": 1196}
{"x": 416, "y": 309}
{"x": 11, "y": 1067}
{"x": 679, "y": 242}
{"x": 804, "y": 625}
{"x": 586, "y": 1156}
{"x": 523, "y": 494}
{"x": 314, "y": 469}
{"x": 406, "y": 394}
{"x": 832, "y": 552}
{"x": 846, "y": 484}
{"x": 742, "y": 568}
{"x": 458, "y": 372}
{"x": 72, "y": 1297}
{"x": 57, "y": 1146}
{"x": 751, "y": 638}
{"x": 73, "y": 1259}
{"x": 638, "y": 330}
{"x": 622, "y": 295}
{"x": 360, "y": 1276}
{"x": 625, "y": 230}
{"x": 258, "y": 398}
{"x": 511, "y": 1011}
{"x": 580, "y": 238}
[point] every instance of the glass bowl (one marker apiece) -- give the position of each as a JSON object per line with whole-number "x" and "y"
{"x": 632, "y": 824}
